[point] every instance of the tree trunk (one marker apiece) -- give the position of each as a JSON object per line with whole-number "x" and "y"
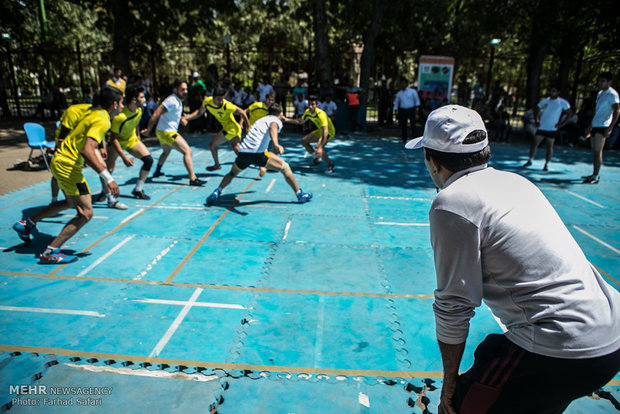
{"x": 542, "y": 25}
{"x": 321, "y": 40}
{"x": 369, "y": 49}
{"x": 121, "y": 36}
{"x": 567, "y": 58}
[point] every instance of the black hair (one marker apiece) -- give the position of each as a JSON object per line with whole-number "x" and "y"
{"x": 219, "y": 92}
{"x": 132, "y": 91}
{"x": 274, "y": 109}
{"x": 177, "y": 83}
{"x": 106, "y": 97}
{"x": 606, "y": 75}
{"x": 117, "y": 68}
{"x": 313, "y": 98}
{"x": 461, "y": 161}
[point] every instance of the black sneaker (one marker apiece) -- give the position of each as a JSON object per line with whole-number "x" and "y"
{"x": 315, "y": 162}
{"x": 158, "y": 174}
{"x": 527, "y": 164}
{"x": 591, "y": 180}
{"x": 197, "y": 182}
{"x": 140, "y": 194}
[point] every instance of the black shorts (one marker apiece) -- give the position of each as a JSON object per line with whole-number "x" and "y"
{"x": 504, "y": 373}
{"x": 245, "y": 159}
{"x": 547, "y": 134}
{"x": 598, "y": 130}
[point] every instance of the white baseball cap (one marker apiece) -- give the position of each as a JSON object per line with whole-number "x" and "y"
{"x": 196, "y": 75}
{"x": 447, "y": 127}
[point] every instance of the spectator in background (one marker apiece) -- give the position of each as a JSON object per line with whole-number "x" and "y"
{"x": 117, "y": 81}
{"x": 300, "y": 89}
{"x": 264, "y": 88}
{"x": 195, "y": 97}
{"x": 352, "y": 94}
{"x": 406, "y": 103}
{"x": 281, "y": 87}
{"x": 165, "y": 89}
{"x": 330, "y": 107}
{"x": 250, "y": 98}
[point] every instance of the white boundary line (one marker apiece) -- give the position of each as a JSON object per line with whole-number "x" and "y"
{"x": 177, "y": 207}
{"x": 175, "y": 324}
{"x": 183, "y": 303}
{"x": 585, "y": 199}
{"x": 46, "y": 310}
{"x": 71, "y": 215}
{"x": 286, "y": 229}
{"x": 401, "y": 198}
{"x": 105, "y": 256}
{"x": 318, "y": 345}
{"x": 597, "y": 239}
{"x": 143, "y": 372}
{"x": 387, "y": 223}
{"x": 273, "y": 181}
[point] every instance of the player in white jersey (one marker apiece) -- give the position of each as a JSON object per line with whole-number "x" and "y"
{"x": 548, "y": 123}
{"x": 605, "y": 117}
{"x": 254, "y": 150}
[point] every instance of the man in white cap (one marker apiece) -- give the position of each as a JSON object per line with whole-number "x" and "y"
{"x": 496, "y": 238}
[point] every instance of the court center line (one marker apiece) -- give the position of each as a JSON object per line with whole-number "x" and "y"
{"x": 175, "y": 324}
{"x": 117, "y": 228}
{"x": 207, "y": 234}
{"x": 183, "y": 303}
{"x": 231, "y": 366}
{"x": 228, "y": 287}
{"x": 318, "y": 345}
{"x": 273, "y": 181}
{"x": 597, "y": 239}
{"x": 105, "y": 256}
{"x": 47, "y": 310}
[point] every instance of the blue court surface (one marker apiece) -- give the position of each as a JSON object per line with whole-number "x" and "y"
{"x": 260, "y": 304}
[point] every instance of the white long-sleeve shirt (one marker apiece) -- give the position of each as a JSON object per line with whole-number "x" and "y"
{"x": 496, "y": 238}
{"x": 406, "y": 99}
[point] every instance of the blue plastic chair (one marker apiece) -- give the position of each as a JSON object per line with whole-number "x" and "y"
{"x": 36, "y": 139}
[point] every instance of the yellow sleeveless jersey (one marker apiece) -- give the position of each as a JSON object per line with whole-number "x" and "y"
{"x": 120, "y": 85}
{"x": 223, "y": 113}
{"x": 94, "y": 125}
{"x": 125, "y": 123}
{"x": 257, "y": 111}
{"x": 320, "y": 119}
{"x": 72, "y": 116}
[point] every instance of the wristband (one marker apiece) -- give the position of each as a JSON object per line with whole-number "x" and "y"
{"x": 105, "y": 174}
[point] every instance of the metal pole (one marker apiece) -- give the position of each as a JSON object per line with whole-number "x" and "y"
{"x": 80, "y": 69}
{"x": 43, "y": 20}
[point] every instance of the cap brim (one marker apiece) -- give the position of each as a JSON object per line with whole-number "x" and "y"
{"x": 414, "y": 143}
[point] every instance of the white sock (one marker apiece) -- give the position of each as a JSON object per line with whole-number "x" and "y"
{"x": 139, "y": 185}
{"x": 111, "y": 198}
{"x": 48, "y": 250}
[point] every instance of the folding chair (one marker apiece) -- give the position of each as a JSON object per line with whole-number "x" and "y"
{"x": 36, "y": 139}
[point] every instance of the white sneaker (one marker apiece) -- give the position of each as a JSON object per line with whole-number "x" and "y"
{"x": 117, "y": 205}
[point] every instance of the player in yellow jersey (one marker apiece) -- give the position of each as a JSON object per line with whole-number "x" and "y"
{"x": 323, "y": 133}
{"x": 224, "y": 112}
{"x": 80, "y": 146}
{"x": 126, "y": 136}
{"x": 260, "y": 109}
{"x": 68, "y": 121}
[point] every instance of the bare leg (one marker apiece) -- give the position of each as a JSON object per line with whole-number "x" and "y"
{"x": 549, "y": 142}
{"x": 305, "y": 141}
{"x": 597, "y": 142}
{"x": 84, "y": 209}
{"x": 275, "y": 164}
{"x": 535, "y": 143}
{"x": 182, "y": 146}
{"x": 216, "y": 141}
{"x": 50, "y": 210}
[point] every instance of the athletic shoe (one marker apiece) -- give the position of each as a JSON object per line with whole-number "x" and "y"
{"x": 262, "y": 171}
{"x": 330, "y": 169}
{"x": 527, "y": 164}
{"x": 303, "y": 197}
{"x": 158, "y": 174}
{"x": 212, "y": 199}
{"x": 315, "y": 162}
{"x": 23, "y": 231}
{"x": 55, "y": 257}
{"x": 213, "y": 168}
{"x": 545, "y": 168}
{"x": 117, "y": 205}
{"x": 591, "y": 180}
{"x": 100, "y": 198}
{"x": 196, "y": 182}
{"x": 585, "y": 177}
{"x": 140, "y": 194}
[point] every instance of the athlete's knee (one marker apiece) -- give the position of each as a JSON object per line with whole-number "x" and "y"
{"x": 147, "y": 162}
{"x": 286, "y": 169}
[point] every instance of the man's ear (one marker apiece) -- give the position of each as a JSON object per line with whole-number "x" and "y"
{"x": 437, "y": 167}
